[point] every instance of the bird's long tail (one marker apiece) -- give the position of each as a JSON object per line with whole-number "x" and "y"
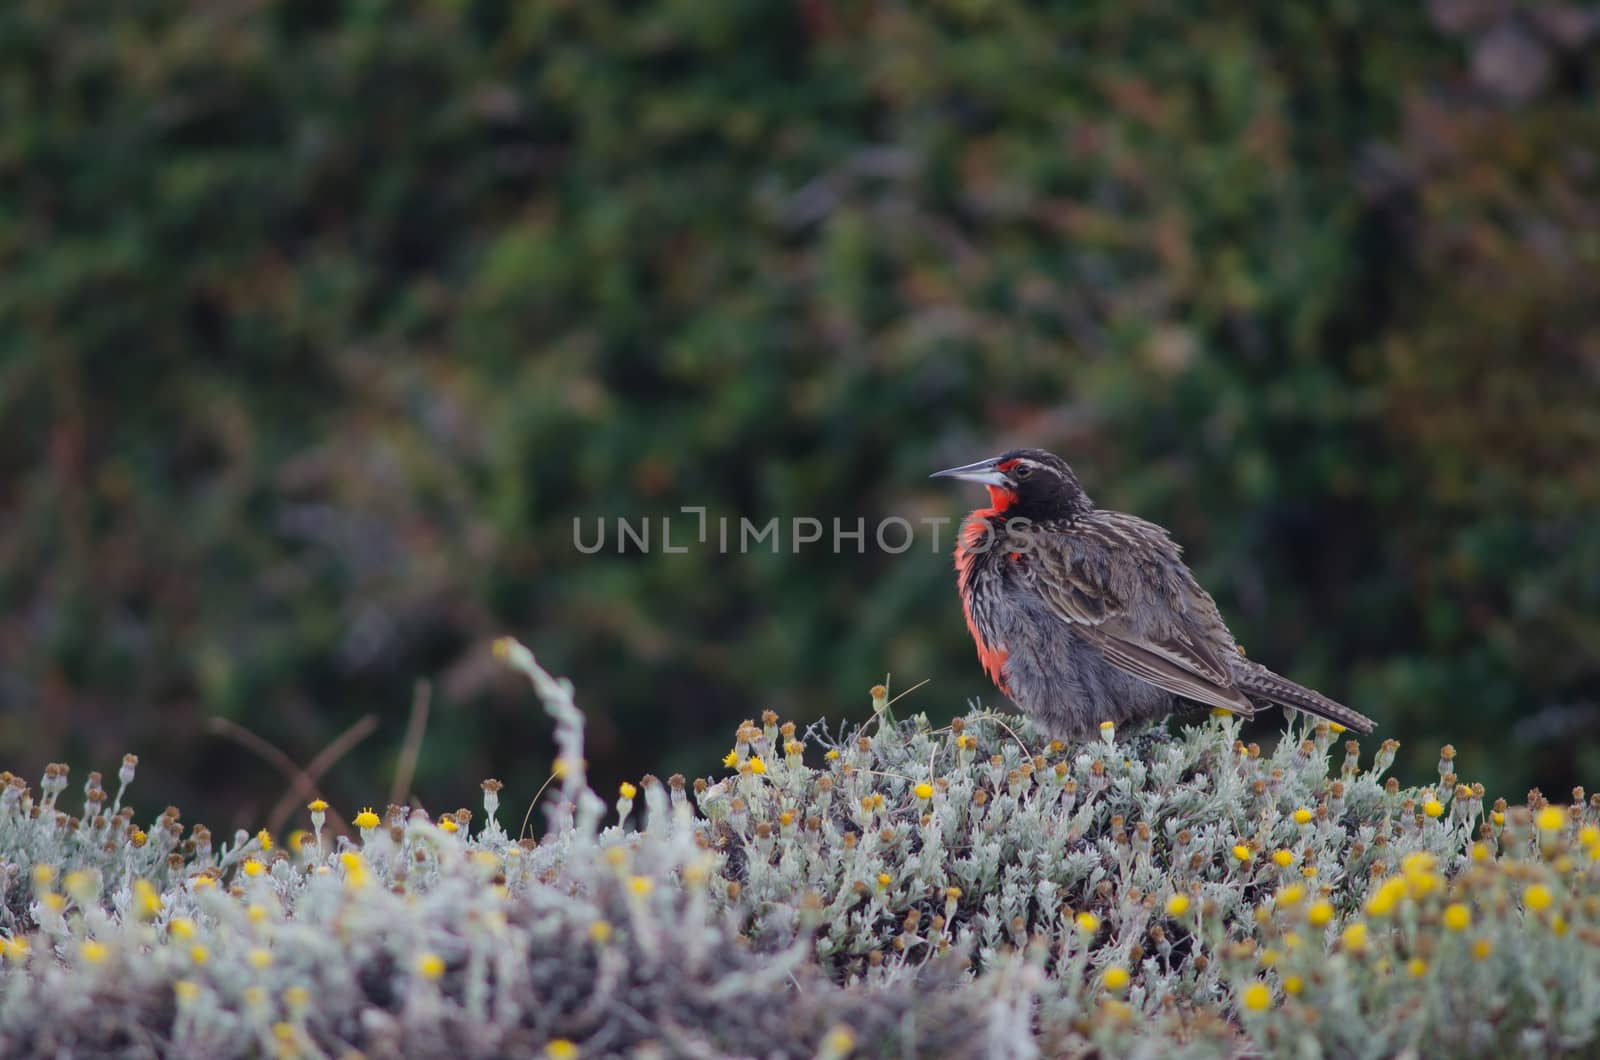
{"x": 1258, "y": 682}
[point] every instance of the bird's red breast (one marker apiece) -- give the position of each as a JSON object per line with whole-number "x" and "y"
{"x": 974, "y": 530}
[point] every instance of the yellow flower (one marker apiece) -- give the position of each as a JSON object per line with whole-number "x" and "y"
{"x": 832, "y": 754}
{"x": 366, "y": 818}
{"x": 1241, "y": 852}
{"x": 256, "y": 912}
{"x": 1457, "y": 917}
{"x": 1283, "y": 858}
{"x": 1177, "y": 905}
{"x": 260, "y": 958}
{"x": 430, "y": 966}
{"x": 1355, "y": 937}
{"x": 199, "y": 954}
{"x": 1388, "y": 895}
{"x": 1498, "y": 818}
{"x": 838, "y": 1042}
{"x": 1320, "y": 913}
{"x": 1108, "y": 726}
{"x": 1303, "y": 816}
{"x": 1087, "y": 923}
{"x": 146, "y": 900}
{"x": 628, "y": 791}
{"x": 185, "y": 991}
{"x": 93, "y": 952}
{"x": 1117, "y": 978}
{"x": 1551, "y": 819}
{"x": 1116, "y": 1012}
{"x": 1589, "y": 835}
{"x": 264, "y": 837}
{"x": 1291, "y": 896}
{"x": 43, "y": 876}
{"x": 1257, "y": 997}
{"x": 600, "y": 931}
{"x": 181, "y": 928}
{"x": 83, "y": 886}
{"x": 1558, "y": 924}
{"x": 884, "y": 879}
{"x": 355, "y": 870}
{"x": 561, "y": 1049}
{"x": 1293, "y": 985}
{"x": 16, "y": 948}
{"x": 1418, "y": 861}
{"x": 1480, "y": 852}
{"x": 757, "y": 766}
{"x": 1481, "y": 949}
{"x": 924, "y": 790}
{"x": 1416, "y": 967}
{"x": 641, "y": 885}
{"x": 1335, "y": 727}
{"x": 1433, "y": 808}
{"x": 448, "y": 824}
{"x": 252, "y": 867}
{"x": 1537, "y": 897}
{"x": 317, "y": 806}
{"x": 965, "y": 742}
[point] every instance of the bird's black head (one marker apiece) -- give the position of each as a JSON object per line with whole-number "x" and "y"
{"x": 1027, "y": 484}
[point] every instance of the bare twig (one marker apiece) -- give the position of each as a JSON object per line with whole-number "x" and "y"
{"x": 405, "y": 769}
{"x": 908, "y": 691}
{"x": 324, "y": 761}
{"x": 302, "y": 782}
{"x": 523, "y": 832}
{"x": 271, "y": 754}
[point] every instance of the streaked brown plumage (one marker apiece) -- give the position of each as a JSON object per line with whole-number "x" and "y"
{"x": 1083, "y": 615}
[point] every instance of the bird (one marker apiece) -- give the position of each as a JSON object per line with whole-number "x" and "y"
{"x": 1083, "y": 615}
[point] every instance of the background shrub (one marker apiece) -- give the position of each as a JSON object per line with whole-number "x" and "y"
{"x": 319, "y": 323}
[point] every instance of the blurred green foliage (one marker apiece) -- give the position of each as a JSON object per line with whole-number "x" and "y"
{"x": 320, "y": 323}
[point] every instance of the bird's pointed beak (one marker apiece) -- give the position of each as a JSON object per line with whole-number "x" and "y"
{"x": 983, "y": 471}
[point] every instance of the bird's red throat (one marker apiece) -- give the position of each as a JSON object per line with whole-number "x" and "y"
{"x": 969, "y": 545}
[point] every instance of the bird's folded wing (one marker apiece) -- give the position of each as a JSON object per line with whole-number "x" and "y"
{"x": 1181, "y": 665}
{"x": 1168, "y": 665}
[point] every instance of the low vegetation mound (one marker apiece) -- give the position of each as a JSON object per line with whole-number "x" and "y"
{"x": 898, "y": 889}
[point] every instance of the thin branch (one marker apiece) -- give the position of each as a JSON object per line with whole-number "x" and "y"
{"x": 908, "y": 691}
{"x": 522, "y": 834}
{"x": 269, "y": 753}
{"x": 303, "y": 787}
{"x": 405, "y": 769}
{"x": 302, "y": 782}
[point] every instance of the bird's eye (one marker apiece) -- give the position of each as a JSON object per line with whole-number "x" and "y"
{"x": 1023, "y": 471}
